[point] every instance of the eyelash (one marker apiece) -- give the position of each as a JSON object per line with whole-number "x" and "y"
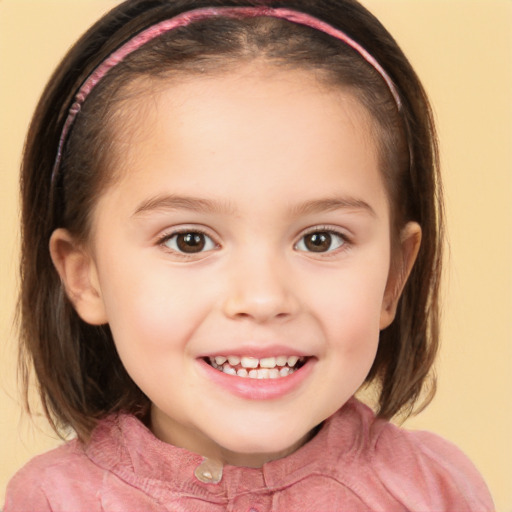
{"x": 165, "y": 238}
{"x": 345, "y": 242}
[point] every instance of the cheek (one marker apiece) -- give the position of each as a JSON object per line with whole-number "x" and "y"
{"x": 150, "y": 309}
{"x": 352, "y": 307}
{"x": 153, "y": 312}
{"x": 150, "y": 331}
{"x": 350, "y": 316}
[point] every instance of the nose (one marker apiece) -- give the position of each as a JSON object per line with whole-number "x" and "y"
{"x": 261, "y": 289}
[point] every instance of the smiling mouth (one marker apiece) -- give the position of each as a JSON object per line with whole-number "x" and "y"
{"x": 254, "y": 368}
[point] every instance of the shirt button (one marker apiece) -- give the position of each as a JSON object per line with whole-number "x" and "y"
{"x": 209, "y": 471}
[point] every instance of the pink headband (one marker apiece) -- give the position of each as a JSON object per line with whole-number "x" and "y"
{"x": 185, "y": 19}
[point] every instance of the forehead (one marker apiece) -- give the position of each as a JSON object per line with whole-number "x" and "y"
{"x": 256, "y": 124}
{"x": 257, "y": 90}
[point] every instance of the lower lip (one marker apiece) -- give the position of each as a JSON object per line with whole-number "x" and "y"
{"x": 258, "y": 389}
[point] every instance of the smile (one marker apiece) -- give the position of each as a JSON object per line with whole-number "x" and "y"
{"x": 254, "y": 378}
{"x": 254, "y": 368}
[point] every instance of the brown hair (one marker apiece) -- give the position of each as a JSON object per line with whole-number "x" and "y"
{"x": 79, "y": 374}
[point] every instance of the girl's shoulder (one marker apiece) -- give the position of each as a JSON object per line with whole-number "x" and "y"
{"x": 90, "y": 477}
{"x": 52, "y": 478}
{"x": 384, "y": 466}
{"x": 420, "y": 467}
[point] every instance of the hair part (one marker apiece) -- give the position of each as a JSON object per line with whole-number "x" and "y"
{"x": 78, "y": 372}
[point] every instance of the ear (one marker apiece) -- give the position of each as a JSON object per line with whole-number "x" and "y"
{"x": 79, "y": 276}
{"x": 410, "y": 241}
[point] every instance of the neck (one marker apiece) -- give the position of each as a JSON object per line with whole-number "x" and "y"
{"x": 195, "y": 441}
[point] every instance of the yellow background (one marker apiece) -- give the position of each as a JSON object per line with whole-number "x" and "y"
{"x": 462, "y": 50}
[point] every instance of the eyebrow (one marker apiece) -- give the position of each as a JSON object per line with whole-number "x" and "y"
{"x": 201, "y": 205}
{"x": 332, "y": 204}
{"x": 172, "y": 202}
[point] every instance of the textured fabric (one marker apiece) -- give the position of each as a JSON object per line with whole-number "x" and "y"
{"x": 354, "y": 463}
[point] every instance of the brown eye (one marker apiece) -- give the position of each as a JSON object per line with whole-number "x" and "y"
{"x": 320, "y": 241}
{"x": 190, "y": 242}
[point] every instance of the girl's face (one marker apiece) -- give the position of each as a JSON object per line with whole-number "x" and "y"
{"x": 242, "y": 259}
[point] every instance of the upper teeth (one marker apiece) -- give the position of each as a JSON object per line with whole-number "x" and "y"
{"x": 253, "y": 362}
{"x": 254, "y": 368}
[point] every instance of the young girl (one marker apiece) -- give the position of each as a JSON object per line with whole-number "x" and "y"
{"x": 232, "y": 222}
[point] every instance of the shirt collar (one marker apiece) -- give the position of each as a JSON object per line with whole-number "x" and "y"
{"x": 123, "y": 445}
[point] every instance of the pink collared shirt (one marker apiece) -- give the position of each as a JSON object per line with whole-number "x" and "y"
{"x": 355, "y": 463}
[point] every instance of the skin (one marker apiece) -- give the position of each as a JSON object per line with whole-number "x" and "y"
{"x": 258, "y": 176}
